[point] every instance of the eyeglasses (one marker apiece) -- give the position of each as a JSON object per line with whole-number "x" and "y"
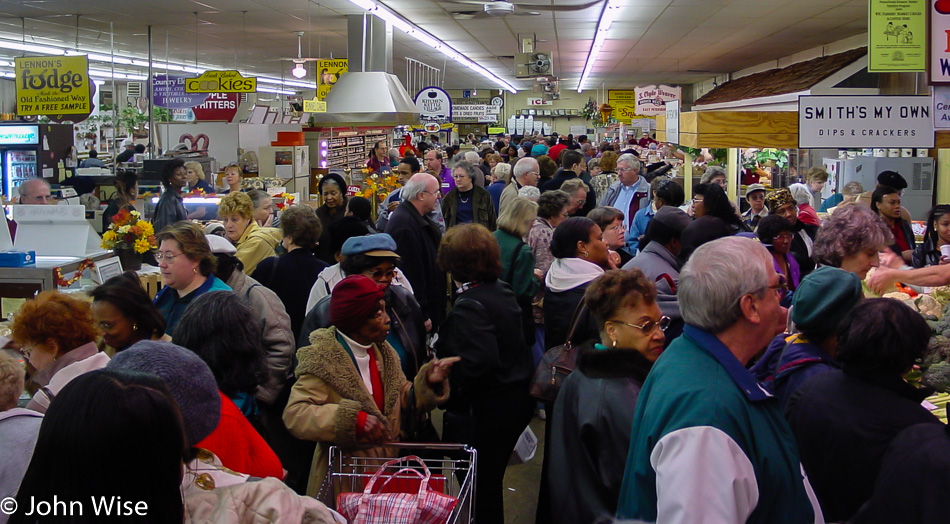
{"x": 618, "y": 227}
{"x": 782, "y": 286}
{"x": 648, "y": 326}
{"x": 381, "y": 275}
{"x": 785, "y": 236}
{"x": 26, "y": 351}
{"x": 168, "y": 255}
{"x": 434, "y": 193}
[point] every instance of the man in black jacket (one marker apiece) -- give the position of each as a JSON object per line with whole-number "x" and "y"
{"x": 417, "y": 239}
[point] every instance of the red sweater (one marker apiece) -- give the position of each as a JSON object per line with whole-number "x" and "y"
{"x": 239, "y": 446}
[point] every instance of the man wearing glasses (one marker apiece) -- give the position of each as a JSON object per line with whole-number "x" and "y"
{"x": 710, "y": 444}
{"x": 631, "y": 192}
{"x": 407, "y": 167}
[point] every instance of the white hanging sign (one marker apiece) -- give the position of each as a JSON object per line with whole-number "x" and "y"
{"x": 651, "y": 99}
{"x": 434, "y": 105}
{"x": 865, "y": 121}
{"x": 672, "y": 122}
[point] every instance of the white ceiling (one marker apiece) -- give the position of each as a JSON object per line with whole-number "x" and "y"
{"x": 651, "y": 41}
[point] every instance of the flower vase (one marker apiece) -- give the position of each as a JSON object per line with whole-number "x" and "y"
{"x": 131, "y": 261}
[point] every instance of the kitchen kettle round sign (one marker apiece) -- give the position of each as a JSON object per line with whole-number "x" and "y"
{"x": 434, "y": 105}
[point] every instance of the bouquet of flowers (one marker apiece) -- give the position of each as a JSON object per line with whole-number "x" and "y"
{"x": 129, "y": 231}
{"x": 196, "y": 192}
{"x": 376, "y": 188}
{"x": 288, "y": 200}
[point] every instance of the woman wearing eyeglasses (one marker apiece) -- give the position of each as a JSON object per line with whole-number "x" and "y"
{"x": 593, "y": 414}
{"x": 466, "y": 202}
{"x": 187, "y": 266}
{"x": 937, "y": 234}
{"x": 776, "y": 234}
{"x": 57, "y": 337}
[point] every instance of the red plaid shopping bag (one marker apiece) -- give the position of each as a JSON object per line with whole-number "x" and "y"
{"x": 419, "y": 507}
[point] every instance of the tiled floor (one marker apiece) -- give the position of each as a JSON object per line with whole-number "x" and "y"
{"x": 522, "y": 481}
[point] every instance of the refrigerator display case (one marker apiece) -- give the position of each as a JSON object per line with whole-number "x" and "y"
{"x": 19, "y": 149}
{"x": 30, "y": 151}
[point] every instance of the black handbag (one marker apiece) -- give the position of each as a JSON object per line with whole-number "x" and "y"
{"x": 556, "y": 364}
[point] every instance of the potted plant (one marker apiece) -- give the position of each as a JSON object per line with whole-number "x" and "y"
{"x": 129, "y": 237}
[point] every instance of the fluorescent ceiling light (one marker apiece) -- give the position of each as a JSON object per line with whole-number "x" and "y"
{"x": 6, "y": 44}
{"x": 607, "y": 16}
{"x": 278, "y": 91}
{"x": 138, "y": 62}
{"x": 400, "y": 23}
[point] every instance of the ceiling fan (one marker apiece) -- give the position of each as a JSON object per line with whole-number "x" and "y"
{"x": 504, "y": 7}
{"x": 299, "y": 71}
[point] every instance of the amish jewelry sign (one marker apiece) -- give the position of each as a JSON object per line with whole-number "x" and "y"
{"x": 865, "y": 122}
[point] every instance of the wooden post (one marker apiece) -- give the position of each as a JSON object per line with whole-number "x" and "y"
{"x": 732, "y": 177}
{"x": 943, "y": 176}
{"x": 688, "y": 175}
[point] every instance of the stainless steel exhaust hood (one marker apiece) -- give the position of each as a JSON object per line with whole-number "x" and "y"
{"x": 368, "y": 94}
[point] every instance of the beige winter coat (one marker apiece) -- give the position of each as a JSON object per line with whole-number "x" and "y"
{"x": 267, "y": 500}
{"x": 256, "y": 244}
{"x": 329, "y": 394}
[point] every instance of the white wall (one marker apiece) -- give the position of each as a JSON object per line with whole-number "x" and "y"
{"x": 225, "y": 139}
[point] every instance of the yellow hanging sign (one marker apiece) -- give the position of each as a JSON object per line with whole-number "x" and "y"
{"x": 52, "y": 85}
{"x": 314, "y": 106}
{"x": 328, "y": 72}
{"x": 221, "y": 82}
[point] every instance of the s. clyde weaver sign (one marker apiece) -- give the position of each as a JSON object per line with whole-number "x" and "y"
{"x": 865, "y": 121}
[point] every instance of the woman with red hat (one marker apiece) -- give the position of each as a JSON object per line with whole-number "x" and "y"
{"x": 350, "y": 390}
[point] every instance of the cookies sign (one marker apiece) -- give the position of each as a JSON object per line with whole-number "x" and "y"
{"x": 52, "y": 85}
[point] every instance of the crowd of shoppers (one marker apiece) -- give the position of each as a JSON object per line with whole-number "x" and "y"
{"x": 696, "y": 395}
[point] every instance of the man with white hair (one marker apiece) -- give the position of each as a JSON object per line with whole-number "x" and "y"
{"x": 35, "y": 191}
{"x": 526, "y": 172}
{"x": 630, "y": 193}
{"x": 417, "y": 243}
{"x": 709, "y": 444}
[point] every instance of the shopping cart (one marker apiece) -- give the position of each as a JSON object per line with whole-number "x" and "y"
{"x": 453, "y": 476}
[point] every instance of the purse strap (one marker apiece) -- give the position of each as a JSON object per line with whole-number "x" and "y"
{"x": 575, "y": 319}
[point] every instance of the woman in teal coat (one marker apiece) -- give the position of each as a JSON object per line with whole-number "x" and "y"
{"x": 517, "y": 259}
